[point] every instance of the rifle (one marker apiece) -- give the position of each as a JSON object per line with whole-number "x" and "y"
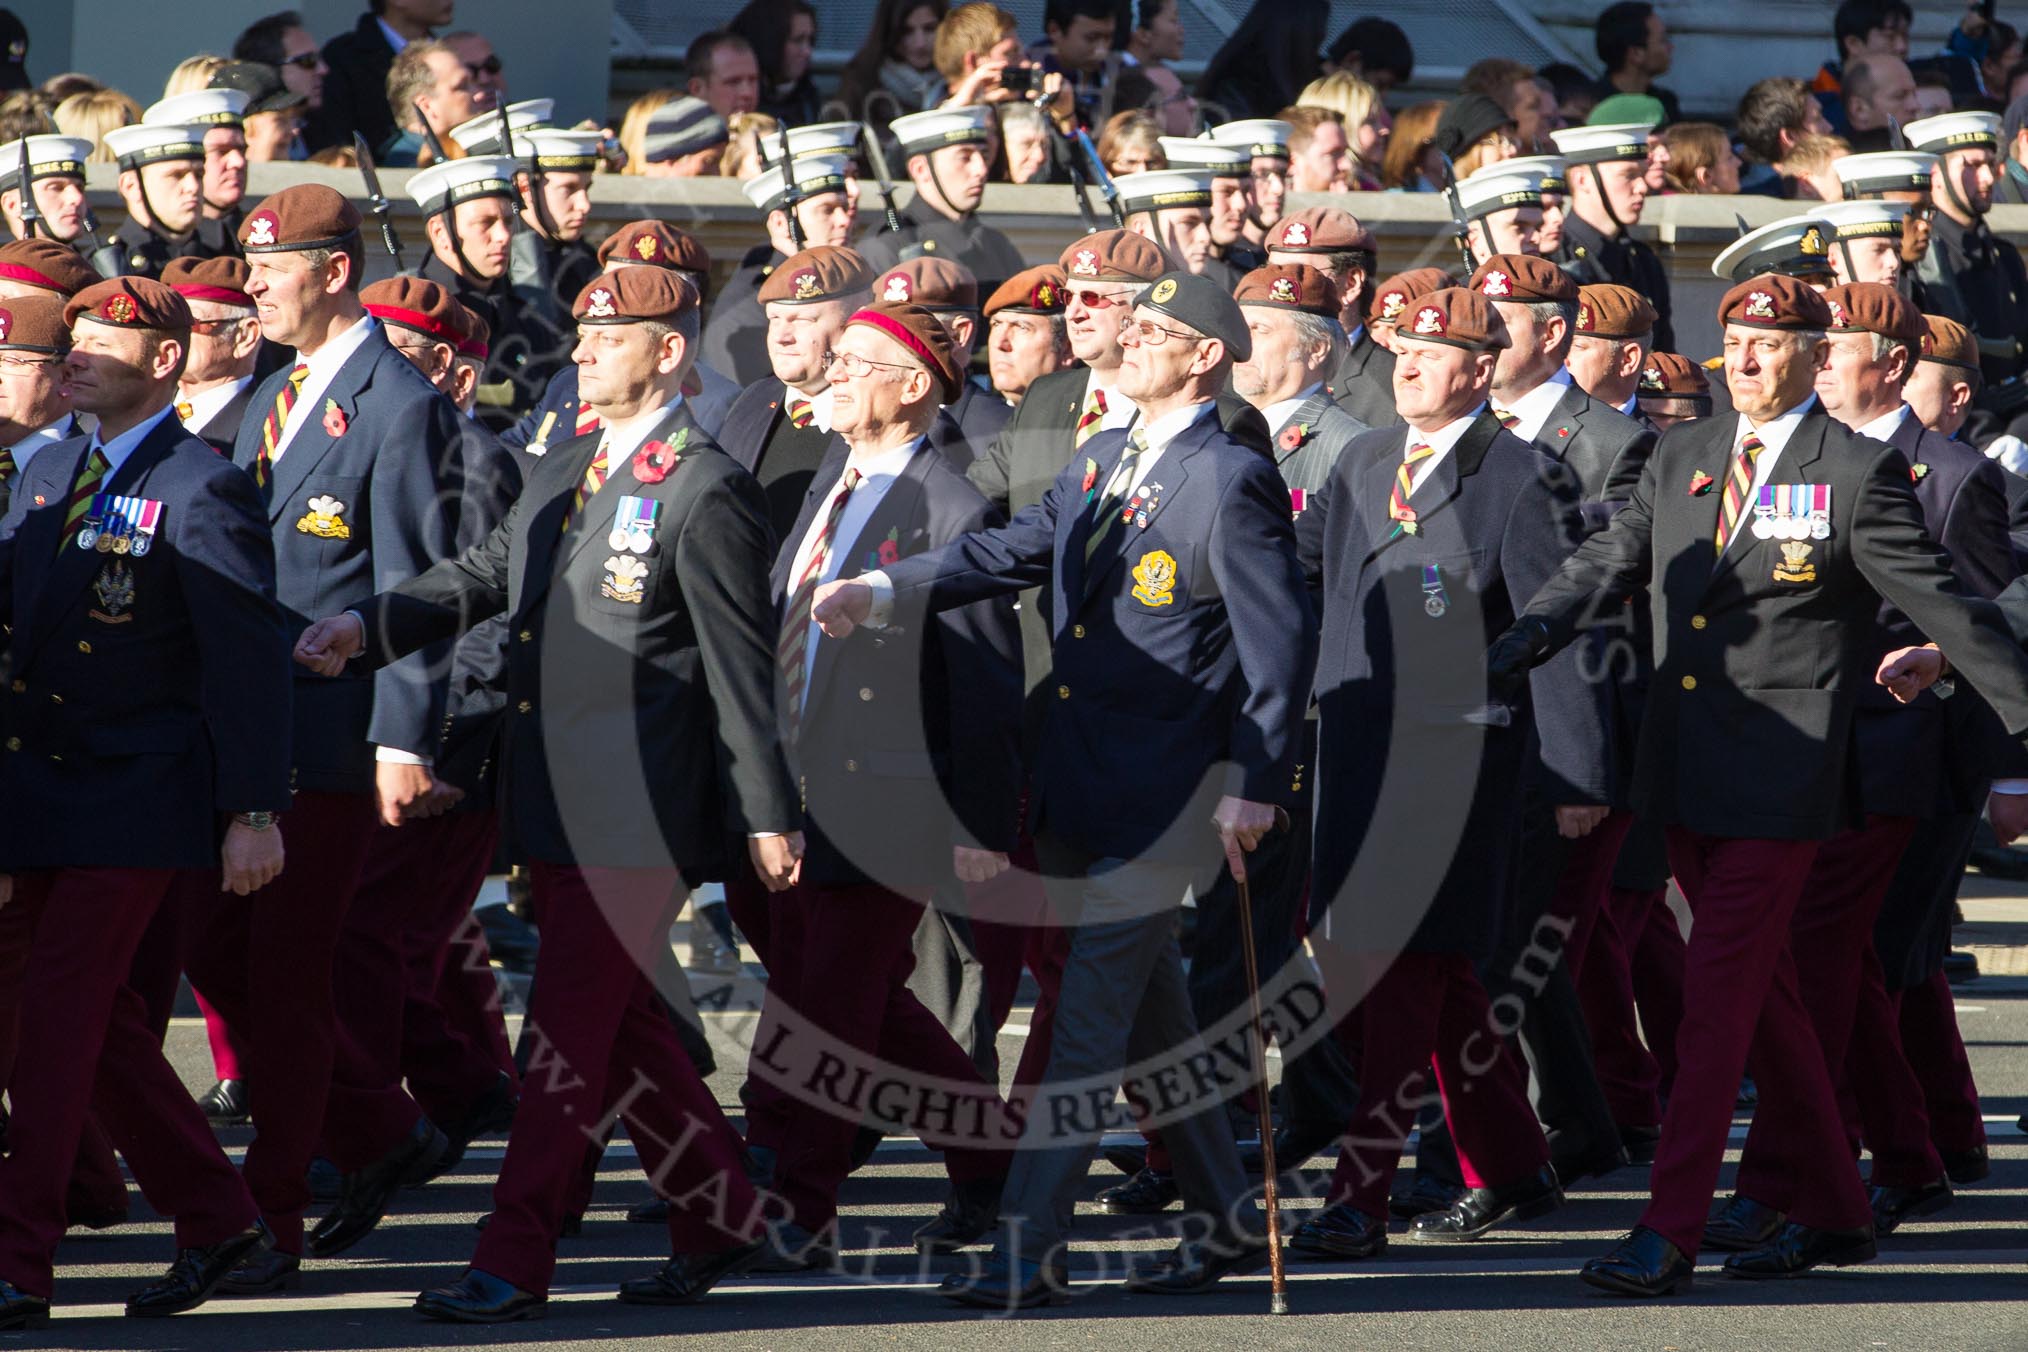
{"x": 382, "y": 211}
{"x": 1104, "y": 179}
{"x": 30, "y": 215}
{"x": 1461, "y": 228}
{"x": 430, "y": 135}
{"x": 1079, "y": 185}
{"x": 791, "y": 199}
{"x": 876, "y": 159}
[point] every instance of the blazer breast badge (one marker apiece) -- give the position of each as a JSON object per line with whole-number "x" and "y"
{"x": 1155, "y": 578}
{"x": 325, "y": 519}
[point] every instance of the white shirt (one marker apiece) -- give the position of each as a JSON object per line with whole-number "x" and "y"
{"x": 820, "y": 405}
{"x": 877, "y": 475}
{"x": 394, "y": 39}
{"x": 1774, "y": 437}
{"x": 1886, "y": 425}
{"x": 208, "y": 404}
{"x": 1534, "y": 407}
{"x": 1278, "y": 413}
{"x": 62, "y": 429}
{"x": 1441, "y": 441}
{"x": 120, "y": 447}
{"x": 324, "y": 365}
{"x": 1120, "y": 410}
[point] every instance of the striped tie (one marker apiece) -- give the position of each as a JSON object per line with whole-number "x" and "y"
{"x": 96, "y": 468}
{"x": 801, "y": 412}
{"x": 8, "y": 469}
{"x": 1738, "y": 487}
{"x": 1105, "y": 508}
{"x": 1508, "y": 420}
{"x": 1094, "y": 413}
{"x": 795, "y": 640}
{"x": 594, "y": 479}
{"x": 1398, "y": 510}
{"x": 588, "y": 422}
{"x": 278, "y": 421}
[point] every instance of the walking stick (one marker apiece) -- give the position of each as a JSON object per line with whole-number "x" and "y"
{"x": 1278, "y": 1302}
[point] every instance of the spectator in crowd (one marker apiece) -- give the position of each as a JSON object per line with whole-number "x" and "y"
{"x": 336, "y": 157}
{"x": 1267, "y": 61}
{"x": 1512, "y": 85}
{"x": 1989, "y": 47}
{"x": 2017, "y": 82}
{"x": 357, "y": 65}
{"x": 57, "y": 88}
{"x": 489, "y": 73}
{"x": 1773, "y": 115}
{"x": 1320, "y": 157}
{"x": 93, "y": 115}
{"x": 192, "y": 74}
{"x": 1474, "y": 131}
{"x": 1933, "y": 93}
{"x": 783, "y": 35}
{"x": 13, "y": 52}
{"x": 1376, "y": 50}
{"x": 1701, "y": 158}
{"x": 894, "y": 71}
{"x": 1077, "y": 40}
{"x": 1879, "y": 91}
{"x": 1156, "y": 35}
{"x": 281, "y": 41}
{"x": 742, "y": 157}
{"x": 1366, "y": 120}
{"x": 274, "y": 112}
{"x": 2003, "y": 51}
{"x": 2010, "y": 185}
{"x": 1024, "y": 142}
{"x": 1860, "y": 28}
{"x": 1575, "y": 92}
{"x": 1808, "y": 168}
{"x": 428, "y": 82}
{"x": 1131, "y": 144}
{"x": 1410, "y": 163}
{"x": 724, "y": 72}
{"x": 1633, "y": 45}
{"x": 975, "y": 46}
{"x": 668, "y": 134}
{"x": 25, "y": 113}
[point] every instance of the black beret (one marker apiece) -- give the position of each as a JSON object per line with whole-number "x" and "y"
{"x": 1202, "y": 304}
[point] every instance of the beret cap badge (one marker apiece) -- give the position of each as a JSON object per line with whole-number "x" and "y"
{"x": 119, "y": 308}
{"x": 1282, "y": 290}
{"x": 601, "y": 306}
{"x": 1164, "y": 291}
{"x": 645, "y": 246}
{"x": 1392, "y": 304}
{"x": 1085, "y": 263}
{"x": 1429, "y": 320}
{"x": 896, "y": 290}
{"x": 1296, "y": 233}
{"x": 806, "y": 285}
{"x": 261, "y": 229}
{"x": 1497, "y": 284}
{"x": 1760, "y": 305}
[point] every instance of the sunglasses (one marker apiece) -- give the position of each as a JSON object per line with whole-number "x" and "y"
{"x": 490, "y": 66}
{"x": 305, "y": 61}
{"x": 1101, "y": 300}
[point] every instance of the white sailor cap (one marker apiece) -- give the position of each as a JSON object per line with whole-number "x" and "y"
{"x": 1259, "y": 137}
{"x": 559, "y": 151}
{"x": 142, "y": 143}
{"x": 1497, "y": 187}
{"x": 205, "y": 108}
{"x": 1795, "y": 246}
{"x": 1954, "y": 131}
{"x": 822, "y": 138}
{"x": 1197, "y": 152}
{"x": 1162, "y": 189}
{"x": 1885, "y": 171}
{"x": 1603, "y": 144}
{"x": 682, "y": 127}
{"x": 815, "y": 176}
{"x": 481, "y": 135}
{"x": 1553, "y": 169}
{"x": 442, "y": 186}
{"x": 48, "y": 157}
{"x": 1866, "y": 219}
{"x": 920, "y": 133}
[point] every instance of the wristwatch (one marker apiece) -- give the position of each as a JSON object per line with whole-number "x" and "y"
{"x": 255, "y": 821}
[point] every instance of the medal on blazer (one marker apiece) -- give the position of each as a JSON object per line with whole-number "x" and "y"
{"x": 93, "y": 525}
{"x": 146, "y": 519}
{"x": 624, "y": 579}
{"x": 634, "y": 525}
{"x": 1144, "y": 501}
{"x": 1434, "y": 599}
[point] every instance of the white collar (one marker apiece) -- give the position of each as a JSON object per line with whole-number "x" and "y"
{"x": 326, "y": 360}
{"x": 888, "y": 464}
{"x": 820, "y": 404}
{"x": 1280, "y": 411}
{"x": 1443, "y": 438}
{"x": 620, "y": 446}
{"x": 24, "y": 450}
{"x": 1886, "y": 425}
{"x": 208, "y": 404}
{"x": 1165, "y": 429}
{"x": 1534, "y": 407}
{"x": 1774, "y": 434}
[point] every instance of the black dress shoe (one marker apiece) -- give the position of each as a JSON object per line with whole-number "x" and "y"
{"x": 491, "y": 1114}
{"x": 1969, "y": 1166}
{"x": 1592, "y": 1162}
{"x": 791, "y": 1248}
{"x": 1798, "y": 1248}
{"x": 196, "y": 1273}
{"x": 573, "y": 1226}
{"x": 1197, "y": 1264}
{"x": 263, "y": 1271}
{"x": 1131, "y": 1159}
{"x": 653, "y": 1211}
{"x": 1741, "y": 1224}
{"x": 1341, "y": 1231}
{"x": 96, "y": 1218}
{"x": 758, "y": 1162}
{"x": 1005, "y": 1283}
{"x": 864, "y": 1144}
{"x": 969, "y": 1215}
{"x": 1892, "y": 1206}
{"x": 480, "y": 1298}
{"x": 1642, "y": 1264}
{"x": 1425, "y": 1193}
{"x": 366, "y": 1194}
{"x": 1145, "y": 1194}
{"x": 1960, "y": 966}
{"x": 19, "y": 1310}
{"x": 684, "y": 1279}
{"x": 1640, "y": 1143}
{"x": 1295, "y": 1146}
{"x": 1478, "y": 1210}
{"x": 224, "y": 1104}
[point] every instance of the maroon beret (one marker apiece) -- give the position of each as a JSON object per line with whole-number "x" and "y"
{"x": 1874, "y": 308}
{"x": 129, "y": 303}
{"x": 1524, "y": 279}
{"x": 825, "y": 272}
{"x": 1668, "y": 375}
{"x": 1774, "y": 301}
{"x": 1949, "y": 343}
{"x": 416, "y": 303}
{"x": 1289, "y": 286}
{"x": 1608, "y": 310}
{"x": 478, "y": 340}
{"x": 1394, "y": 294}
{"x": 47, "y": 264}
{"x": 635, "y": 295}
{"x": 1320, "y": 230}
{"x": 657, "y": 244}
{"x": 34, "y": 324}
{"x": 221, "y": 279}
{"x": 933, "y": 283}
{"x": 298, "y": 219}
{"x": 1038, "y": 290}
{"x": 922, "y": 334}
{"x": 1114, "y": 256}
{"x": 1456, "y": 317}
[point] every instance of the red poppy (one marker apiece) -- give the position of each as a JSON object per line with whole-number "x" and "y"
{"x": 653, "y": 462}
{"x": 1294, "y": 435}
{"x": 1700, "y": 483}
{"x": 334, "y": 420}
{"x": 890, "y": 552}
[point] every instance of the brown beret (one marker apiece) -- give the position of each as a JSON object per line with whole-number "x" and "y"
{"x": 932, "y": 283}
{"x": 299, "y": 218}
{"x": 221, "y": 280}
{"x": 1669, "y": 375}
{"x": 663, "y": 246}
{"x": 1288, "y": 286}
{"x": 1455, "y": 317}
{"x": 635, "y": 295}
{"x": 1114, "y": 256}
{"x": 47, "y": 264}
{"x": 34, "y": 324}
{"x": 1320, "y": 230}
{"x": 1773, "y": 301}
{"x": 477, "y": 341}
{"x": 1524, "y": 279}
{"x": 416, "y": 303}
{"x": 923, "y": 335}
{"x": 1874, "y": 308}
{"x": 1949, "y": 343}
{"x": 826, "y": 272}
{"x": 1037, "y": 290}
{"x": 129, "y": 303}
{"x": 1394, "y": 294}
{"x": 1606, "y": 310}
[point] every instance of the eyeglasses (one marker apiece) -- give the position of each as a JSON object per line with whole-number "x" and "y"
{"x": 207, "y": 327}
{"x": 21, "y": 366}
{"x": 490, "y": 66}
{"x": 1923, "y": 214}
{"x": 1154, "y": 335}
{"x": 309, "y": 60}
{"x": 1102, "y": 300}
{"x": 851, "y": 365}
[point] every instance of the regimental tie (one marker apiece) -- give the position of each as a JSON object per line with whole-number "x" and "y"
{"x": 277, "y": 421}
{"x": 1398, "y": 510}
{"x": 1508, "y": 418}
{"x": 594, "y": 479}
{"x": 1106, "y": 507}
{"x": 8, "y": 469}
{"x": 82, "y": 490}
{"x": 1094, "y": 413}
{"x": 801, "y": 412}
{"x": 587, "y": 421}
{"x": 1738, "y": 488}
{"x": 793, "y": 649}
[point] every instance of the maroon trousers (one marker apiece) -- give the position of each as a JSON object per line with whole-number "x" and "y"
{"x": 1739, "y": 994}
{"x": 419, "y": 881}
{"x": 454, "y": 1026}
{"x": 1601, "y": 972}
{"x": 1905, "y": 1130}
{"x": 83, "y": 1032}
{"x": 601, "y": 1044}
{"x": 265, "y": 962}
{"x": 1431, "y": 1007}
{"x": 857, "y": 1024}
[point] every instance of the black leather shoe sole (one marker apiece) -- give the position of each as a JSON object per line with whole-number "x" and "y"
{"x": 1153, "y": 1282}
{"x": 454, "y": 1314}
{"x": 1969, "y": 1166}
{"x": 1331, "y": 1249}
{"x": 999, "y": 1298}
{"x": 1617, "y": 1284}
{"x": 34, "y": 1316}
{"x": 263, "y": 1274}
{"x": 1847, "y": 1254}
{"x": 1528, "y": 1210}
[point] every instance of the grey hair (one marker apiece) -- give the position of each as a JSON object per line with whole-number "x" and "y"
{"x": 1313, "y": 329}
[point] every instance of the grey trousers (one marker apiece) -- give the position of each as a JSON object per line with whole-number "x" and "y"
{"x": 1123, "y": 1002}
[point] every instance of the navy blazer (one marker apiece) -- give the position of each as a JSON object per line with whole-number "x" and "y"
{"x": 387, "y": 487}
{"x": 1180, "y": 656}
{"x": 150, "y": 692}
{"x": 489, "y": 478}
{"x": 553, "y": 420}
{"x": 910, "y": 738}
